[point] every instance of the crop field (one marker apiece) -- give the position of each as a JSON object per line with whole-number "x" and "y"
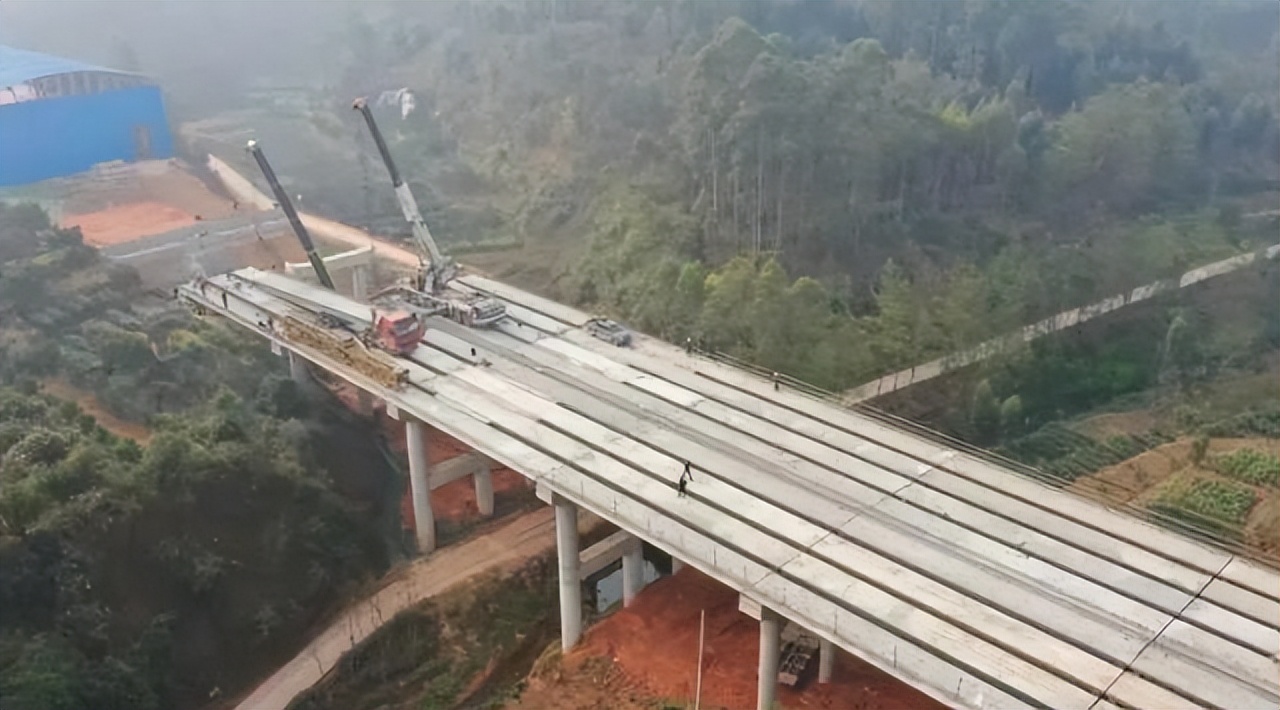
{"x": 1207, "y": 504}
{"x": 1257, "y": 468}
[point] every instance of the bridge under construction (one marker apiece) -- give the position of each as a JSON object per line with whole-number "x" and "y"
{"x": 973, "y": 583}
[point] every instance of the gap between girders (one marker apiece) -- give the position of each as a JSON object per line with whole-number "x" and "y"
{"x": 1175, "y": 617}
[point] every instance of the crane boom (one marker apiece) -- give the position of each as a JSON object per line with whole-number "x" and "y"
{"x": 295, "y": 221}
{"x": 441, "y": 268}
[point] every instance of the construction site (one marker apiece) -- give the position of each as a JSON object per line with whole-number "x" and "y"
{"x": 169, "y": 220}
{"x": 586, "y": 515}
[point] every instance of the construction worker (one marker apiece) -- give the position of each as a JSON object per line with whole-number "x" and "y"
{"x": 224, "y": 299}
{"x": 688, "y": 346}
{"x": 684, "y": 480}
{"x": 775, "y": 382}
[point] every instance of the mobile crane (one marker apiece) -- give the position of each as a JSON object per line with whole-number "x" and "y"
{"x": 429, "y": 293}
{"x": 394, "y": 328}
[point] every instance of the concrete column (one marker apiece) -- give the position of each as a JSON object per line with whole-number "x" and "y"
{"x": 570, "y": 584}
{"x": 826, "y": 660}
{"x": 359, "y": 282}
{"x": 767, "y": 688}
{"x": 676, "y": 564}
{"x": 364, "y": 402}
{"x": 484, "y": 489}
{"x": 632, "y": 572}
{"x": 423, "y": 518}
{"x": 298, "y": 369}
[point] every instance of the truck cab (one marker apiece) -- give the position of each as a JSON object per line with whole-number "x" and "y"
{"x": 398, "y": 331}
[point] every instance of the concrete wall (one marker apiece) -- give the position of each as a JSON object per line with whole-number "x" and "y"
{"x": 62, "y": 136}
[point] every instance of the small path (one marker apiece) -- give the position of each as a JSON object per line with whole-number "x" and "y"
{"x": 503, "y": 549}
{"x": 90, "y": 405}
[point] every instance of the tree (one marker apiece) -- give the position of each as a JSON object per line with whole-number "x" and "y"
{"x": 985, "y": 413}
{"x": 1128, "y": 147}
{"x": 897, "y": 325}
{"x": 1011, "y": 416}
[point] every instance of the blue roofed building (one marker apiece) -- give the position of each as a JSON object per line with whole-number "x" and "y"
{"x": 60, "y": 117}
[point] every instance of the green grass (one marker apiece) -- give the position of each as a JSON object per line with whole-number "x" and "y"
{"x": 1250, "y": 466}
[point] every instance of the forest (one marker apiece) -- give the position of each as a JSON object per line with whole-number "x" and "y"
{"x": 831, "y": 190}
{"x": 149, "y": 574}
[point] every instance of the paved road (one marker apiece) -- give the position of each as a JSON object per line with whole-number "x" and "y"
{"x": 504, "y": 549}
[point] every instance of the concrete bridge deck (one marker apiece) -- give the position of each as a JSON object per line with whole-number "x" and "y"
{"x": 978, "y": 586}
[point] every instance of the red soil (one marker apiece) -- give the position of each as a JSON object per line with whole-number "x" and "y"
{"x": 655, "y": 643}
{"x": 124, "y": 223}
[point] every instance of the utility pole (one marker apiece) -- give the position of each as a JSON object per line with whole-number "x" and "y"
{"x": 702, "y": 633}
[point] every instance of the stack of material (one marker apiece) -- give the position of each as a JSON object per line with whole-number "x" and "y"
{"x": 798, "y": 646}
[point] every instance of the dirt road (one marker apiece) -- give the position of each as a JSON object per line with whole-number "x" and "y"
{"x": 90, "y": 405}
{"x": 505, "y": 548}
{"x": 246, "y": 192}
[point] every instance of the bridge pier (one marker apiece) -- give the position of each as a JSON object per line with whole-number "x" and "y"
{"x": 484, "y": 488}
{"x": 423, "y": 518}
{"x": 770, "y": 644}
{"x": 676, "y": 564}
{"x": 826, "y": 660}
{"x": 767, "y": 675}
{"x": 570, "y": 582}
{"x": 632, "y": 571}
{"x": 621, "y": 545}
{"x": 360, "y": 282}
{"x": 364, "y": 402}
{"x": 298, "y": 369}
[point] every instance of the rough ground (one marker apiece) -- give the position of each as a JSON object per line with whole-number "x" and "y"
{"x": 124, "y": 223}
{"x": 502, "y": 549}
{"x": 650, "y": 651}
{"x": 161, "y": 198}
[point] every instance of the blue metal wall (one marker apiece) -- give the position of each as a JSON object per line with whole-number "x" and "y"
{"x": 63, "y": 136}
